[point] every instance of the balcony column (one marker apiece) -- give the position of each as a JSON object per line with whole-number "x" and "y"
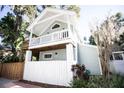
{"x": 30, "y": 38}
{"x": 68, "y": 25}
{"x": 28, "y": 55}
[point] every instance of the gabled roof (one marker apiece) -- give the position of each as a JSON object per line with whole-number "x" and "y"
{"x": 52, "y": 12}
{"x": 46, "y": 14}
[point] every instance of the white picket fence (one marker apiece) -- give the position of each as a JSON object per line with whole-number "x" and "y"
{"x": 50, "y": 72}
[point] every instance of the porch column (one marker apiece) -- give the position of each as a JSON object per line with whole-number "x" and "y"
{"x": 69, "y": 52}
{"x": 28, "y": 55}
{"x": 70, "y": 61}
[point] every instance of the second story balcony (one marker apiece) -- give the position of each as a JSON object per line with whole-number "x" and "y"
{"x": 49, "y": 38}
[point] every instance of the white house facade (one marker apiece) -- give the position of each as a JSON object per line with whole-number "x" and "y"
{"x": 55, "y": 46}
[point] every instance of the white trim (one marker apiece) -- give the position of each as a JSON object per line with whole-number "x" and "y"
{"x": 53, "y": 43}
{"x": 30, "y": 27}
{"x": 54, "y": 25}
{"x": 45, "y": 11}
{"x": 49, "y": 61}
{"x": 28, "y": 55}
{"x": 35, "y": 20}
{"x": 47, "y": 26}
{"x": 47, "y": 54}
{"x": 69, "y": 26}
{"x": 52, "y": 17}
{"x": 50, "y": 23}
{"x": 118, "y": 52}
{"x": 92, "y": 46}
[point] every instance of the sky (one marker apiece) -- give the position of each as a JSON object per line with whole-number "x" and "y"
{"x": 92, "y": 14}
{"x": 89, "y": 14}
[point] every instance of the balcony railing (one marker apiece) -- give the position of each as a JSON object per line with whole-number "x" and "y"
{"x": 55, "y": 36}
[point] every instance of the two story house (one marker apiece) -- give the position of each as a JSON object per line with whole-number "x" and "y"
{"x": 54, "y": 46}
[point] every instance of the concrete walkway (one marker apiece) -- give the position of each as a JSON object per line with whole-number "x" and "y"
{"x": 6, "y": 83}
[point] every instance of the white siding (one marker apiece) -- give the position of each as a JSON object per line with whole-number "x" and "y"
{"x": 88, "y": 56}
{"x": 117, "y": 66}
{"x": 61, "y": 55}
{"x": 55, "y": 72}
{"x": 50, "y": 30}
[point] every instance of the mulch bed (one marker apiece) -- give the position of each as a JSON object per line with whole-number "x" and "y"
{"x": 44, "y": 85}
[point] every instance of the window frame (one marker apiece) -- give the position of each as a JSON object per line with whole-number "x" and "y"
{"x": 54, "y": 25}
{"x": 48, "y": 54}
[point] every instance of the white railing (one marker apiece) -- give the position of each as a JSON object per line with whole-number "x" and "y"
{"x": 55, "y": 36}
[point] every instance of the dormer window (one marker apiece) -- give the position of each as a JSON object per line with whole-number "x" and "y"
{"x": 55, "y": 26}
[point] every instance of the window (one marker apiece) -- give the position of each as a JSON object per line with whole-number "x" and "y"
{"x": 118, "y": 56}
{"x": 47, "y": 56}
{"x": 55, "y": 26}
{"x": 111, "y": 57}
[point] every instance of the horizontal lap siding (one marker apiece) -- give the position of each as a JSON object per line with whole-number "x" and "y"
{"x": 12, "y": 70}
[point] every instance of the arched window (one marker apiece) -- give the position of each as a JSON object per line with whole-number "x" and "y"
{"x": 55, "y": 26}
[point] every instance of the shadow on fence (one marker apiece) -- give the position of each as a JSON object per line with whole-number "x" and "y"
{"x": 12, "y": 71}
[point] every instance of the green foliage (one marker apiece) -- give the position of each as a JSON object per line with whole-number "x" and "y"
{"x": 80, "y": 72}
{"x": 120, "y": 21}
{"x": 120, "y": 42}
{"x": 91, "y": 40}
{"x": 115, "y": 81}
{"x": 78, "y": 83}
{"x": 13, "y": 26}
{"x": 10, "y": 36}
{"x": 10, "y": 58}
{"x": 74, "y": 8}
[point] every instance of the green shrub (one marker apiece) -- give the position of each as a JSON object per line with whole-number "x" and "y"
{"x": 80, "y": 72}
{"x": 10, "y": 58}
{"x": 78, "y": 83}
{"x": 115, "y": 81}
